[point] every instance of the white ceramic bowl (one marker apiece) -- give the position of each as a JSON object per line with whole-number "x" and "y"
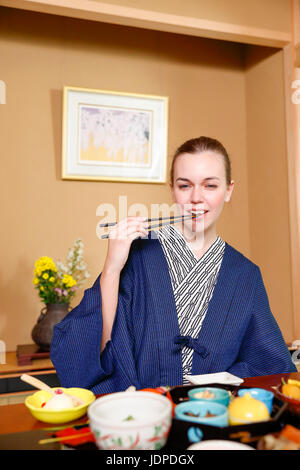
{"x": 131, "y": 420}
{"x": 219, "y": 445}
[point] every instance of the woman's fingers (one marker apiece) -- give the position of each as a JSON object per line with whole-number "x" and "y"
{"x": 136, "y": 234}
{"x": 129, "y": 233}
{"x": 129, "y": 229}
{"x": 120, "y": 237}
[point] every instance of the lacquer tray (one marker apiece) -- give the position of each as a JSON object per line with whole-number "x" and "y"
{"x": 178, "y": 438}
{"x": 246, "y": 433}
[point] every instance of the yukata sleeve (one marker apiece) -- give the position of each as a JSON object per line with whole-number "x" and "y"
{"x": 75, "y": 348}
{"x": 263, "y": 350}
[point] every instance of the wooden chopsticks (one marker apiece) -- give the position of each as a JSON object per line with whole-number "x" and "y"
{"x": 169, "y": 221}
{"x": 64, "y": 438}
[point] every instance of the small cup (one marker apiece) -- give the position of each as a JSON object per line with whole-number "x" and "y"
{"x": 259, "y": 394}
{"x": 221, "y": 396}
{"x": 201, "y": 408}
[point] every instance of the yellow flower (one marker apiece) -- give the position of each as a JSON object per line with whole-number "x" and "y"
{"x": 35, "y": 280}
{"x": 68, "y": 280}
{"x": 44, "y": 264}
{"x": 52, "y": 279}
{"x": 42, "y": 288}
{"x": 45, "y": 276}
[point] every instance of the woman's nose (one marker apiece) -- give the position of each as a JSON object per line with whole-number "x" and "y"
{"x": 197, "y": 195}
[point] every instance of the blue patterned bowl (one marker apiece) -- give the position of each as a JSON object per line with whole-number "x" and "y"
{"x": 200, "y": 409}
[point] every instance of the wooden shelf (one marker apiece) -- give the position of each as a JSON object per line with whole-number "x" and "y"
{"x": 10, "y": 383}
{"x": 155, "y": 20}
{"x": 12, "y": 367}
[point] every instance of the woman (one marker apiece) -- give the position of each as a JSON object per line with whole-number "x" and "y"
{"x": 176, "y": 302}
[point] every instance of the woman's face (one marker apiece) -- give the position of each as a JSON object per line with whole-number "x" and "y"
{"x": 200, "y": 188}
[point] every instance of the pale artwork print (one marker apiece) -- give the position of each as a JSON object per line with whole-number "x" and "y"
{"x": 116, "y": 136}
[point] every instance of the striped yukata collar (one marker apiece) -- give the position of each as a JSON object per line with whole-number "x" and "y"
{"x": 180, "y": 257}
{"x": 193, "y": 281}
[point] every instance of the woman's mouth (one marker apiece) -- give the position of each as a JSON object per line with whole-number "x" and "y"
{"x": 198, "y": 213}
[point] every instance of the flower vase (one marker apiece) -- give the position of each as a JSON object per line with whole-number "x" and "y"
{"x": 42, "y": 332}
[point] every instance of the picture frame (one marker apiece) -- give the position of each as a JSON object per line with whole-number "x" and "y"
{"x": 114, "y": 136}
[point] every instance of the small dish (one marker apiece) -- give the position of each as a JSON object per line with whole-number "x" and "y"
{"x": 218, "y": 377}
{"x": 210, "y": 394}
{"x": 34, "y": 404}
{"x": 215, "y": 444}
{"x": 198, "y": 410}
{"x": 293, "y": 403}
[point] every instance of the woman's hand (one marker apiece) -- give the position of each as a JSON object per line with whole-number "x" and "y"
{"x": 120, "y": 239}
{"x": 119, "y": 242}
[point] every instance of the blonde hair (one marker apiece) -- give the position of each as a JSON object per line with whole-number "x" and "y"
{"x": 203, "y": 144}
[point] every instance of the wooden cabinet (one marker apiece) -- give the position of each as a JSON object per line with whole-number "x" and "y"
{"x": 12, "y": 388}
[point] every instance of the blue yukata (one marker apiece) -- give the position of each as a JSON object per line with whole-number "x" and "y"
{"x": 151, "y": 345}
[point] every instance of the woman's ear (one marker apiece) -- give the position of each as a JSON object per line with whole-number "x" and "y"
{"x": 229, "y": 191}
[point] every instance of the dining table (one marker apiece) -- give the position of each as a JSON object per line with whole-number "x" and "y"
{"x": 16, "y": 419}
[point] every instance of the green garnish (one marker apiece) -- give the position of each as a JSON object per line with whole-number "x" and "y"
{"x": 129, "y": 418}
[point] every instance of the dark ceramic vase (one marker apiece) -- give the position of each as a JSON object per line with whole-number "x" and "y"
{"x": 42, "y": 332}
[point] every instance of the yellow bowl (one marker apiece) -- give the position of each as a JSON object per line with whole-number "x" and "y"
{"x": 34, "y": 403}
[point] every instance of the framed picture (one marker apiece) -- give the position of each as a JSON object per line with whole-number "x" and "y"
{"x": 114, "y": 136}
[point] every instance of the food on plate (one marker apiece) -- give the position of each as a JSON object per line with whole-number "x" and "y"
{"x": 287, "y": 439}
{"x": 294, "y": 382}
{"x": 194, "y": 415}
{"x": 159, "y": 390}
{"x": 292, "y": 433}
{"x": 129, "y": 418}
{"x": 271, "y": 442}
{"x": 209, "y": 415}
{"x": 206, "y": 394}
{"x": 209, "y": 394}
{"x": 291, "y": 389}
{"x": 60, "y": 401}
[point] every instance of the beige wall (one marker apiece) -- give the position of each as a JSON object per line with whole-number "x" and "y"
{"x": 268, "y": 178}
{"x": 41, "y": 214}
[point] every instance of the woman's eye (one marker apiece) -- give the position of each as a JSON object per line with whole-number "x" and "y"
{"x": 183, "y": 186}
{"x": 211, "y": 186}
